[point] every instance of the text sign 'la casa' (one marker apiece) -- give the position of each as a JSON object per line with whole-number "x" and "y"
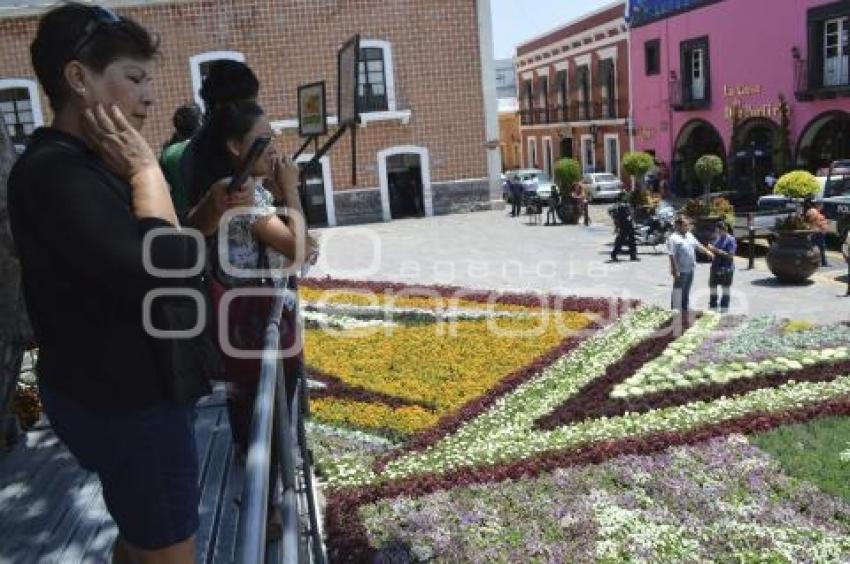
{"x": 769, "y": 110}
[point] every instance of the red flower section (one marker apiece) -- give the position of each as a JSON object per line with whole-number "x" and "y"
{"x": 608, "y": 309}
{"x": 336, "y": 388}
{"x": 347, "y": 538}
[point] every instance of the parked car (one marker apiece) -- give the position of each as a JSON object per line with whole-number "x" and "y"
{"x": 602, "y": 186}
{"x": 834, "y": 194}
{"x": 537, "y": 185}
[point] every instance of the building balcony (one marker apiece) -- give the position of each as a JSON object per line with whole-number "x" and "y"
{"x": 574, "y": 112}
{"x": 683, "y": 96}
{"x": 808, "y": 87}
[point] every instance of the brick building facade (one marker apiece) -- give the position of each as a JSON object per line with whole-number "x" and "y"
{"x": 574, "y": 93}
{"x": 420, "y": 150}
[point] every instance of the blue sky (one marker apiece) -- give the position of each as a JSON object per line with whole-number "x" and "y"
{"x": 514, "y": 21}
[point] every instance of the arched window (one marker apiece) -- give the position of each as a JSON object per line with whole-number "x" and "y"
{"x": 199, "y": 66}
{"x": 21, "y": 109}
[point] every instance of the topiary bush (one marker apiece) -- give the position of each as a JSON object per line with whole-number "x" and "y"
{"x": 707, "y": 168}
{"x": 799, "y": 184}
{"x": 637, "y": 165}
{"x": 567, "y": 173}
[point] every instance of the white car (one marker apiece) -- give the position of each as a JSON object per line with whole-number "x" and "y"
{"x": 602, "y": 186}
{"x": 536, "y": 184}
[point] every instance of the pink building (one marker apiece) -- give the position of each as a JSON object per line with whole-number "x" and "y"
{"x": 701, "y": 68}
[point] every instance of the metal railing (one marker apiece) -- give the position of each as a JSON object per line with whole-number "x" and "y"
{"x": 272, "y": 416}
{"x": 683, "y": 96}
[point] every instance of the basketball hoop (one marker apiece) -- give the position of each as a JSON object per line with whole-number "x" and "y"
{"x": 312, "y": 111}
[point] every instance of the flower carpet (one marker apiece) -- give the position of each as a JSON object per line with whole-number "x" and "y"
{"x": 452, "y": 425}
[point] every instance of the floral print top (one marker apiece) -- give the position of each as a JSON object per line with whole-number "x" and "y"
{"x": 243, "y": 246}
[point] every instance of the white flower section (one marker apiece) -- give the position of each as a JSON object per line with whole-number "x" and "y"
{"x": 653, "y": 380}
{"x": 389, "y": 313}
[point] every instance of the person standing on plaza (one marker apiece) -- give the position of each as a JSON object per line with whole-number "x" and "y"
{"x": 83, "y": 200}
{"x": 516, "y": 192}
{"x": 821, "y": 226}
{"x": 625, "y": 232}
{"x": 845, "y": 250}
{"x": 579, "y": 194}
{"x": 722, "y": 267}
{"x": 552, "y": 206}
{"x": 682, "y": 247}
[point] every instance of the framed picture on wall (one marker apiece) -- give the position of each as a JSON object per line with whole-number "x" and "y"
{"x": 312, "y": 110}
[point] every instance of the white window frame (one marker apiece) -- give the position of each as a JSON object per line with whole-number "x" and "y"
{"x": 838, "y": 65}
{"x": 548, "y": 156}
{"x": 586, "y": 167}
{"x": 195, "y": 62}
{"x": 608, "y": 161}
{"x": 35, "y": 100}
{"x": 327, "y": 180}
{"x": 531, "y": 151}
{"x": 389, "y": 74}
{"x": 383, "y": 179}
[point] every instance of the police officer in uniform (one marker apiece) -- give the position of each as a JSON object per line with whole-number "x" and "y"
{"x": 625, "y": 231}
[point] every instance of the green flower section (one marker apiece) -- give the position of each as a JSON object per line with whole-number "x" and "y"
{"x": 812, "y": 451}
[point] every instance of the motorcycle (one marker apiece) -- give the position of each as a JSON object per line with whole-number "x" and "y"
{"x": 657, "y": 228}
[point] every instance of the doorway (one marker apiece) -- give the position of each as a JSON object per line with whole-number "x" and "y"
{"x": 405, "y": 185}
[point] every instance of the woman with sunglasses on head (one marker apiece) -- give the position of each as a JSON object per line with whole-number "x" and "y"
{"x": 82, "y": 199}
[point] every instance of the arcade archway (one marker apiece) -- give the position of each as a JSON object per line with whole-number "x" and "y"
{"x": 825, "y": 139}
{"x": 696, "y": 138}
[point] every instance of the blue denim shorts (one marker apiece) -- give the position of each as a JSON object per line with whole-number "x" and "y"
{"x": 147, "y": 464}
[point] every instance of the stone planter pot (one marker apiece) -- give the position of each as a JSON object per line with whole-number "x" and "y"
{"x": 569, "y": 211}
{"x": 792, "y": 257}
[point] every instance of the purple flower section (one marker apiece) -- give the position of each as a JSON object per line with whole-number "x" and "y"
{"x": 554, "y": 516}
{"x": 348, "y": 540}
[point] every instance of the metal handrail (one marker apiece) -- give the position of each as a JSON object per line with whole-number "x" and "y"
{"x": 251, "y": 533}
{"x": 273, "y": 416}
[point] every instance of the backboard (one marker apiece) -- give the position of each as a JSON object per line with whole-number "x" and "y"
{"x": 348, "y": 76}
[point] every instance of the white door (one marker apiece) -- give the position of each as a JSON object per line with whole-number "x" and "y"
{"x": 612, "y": 154}
{"x": 589, "y": 157}
{"x": 698, "y": 74}
{"x": 836, "y": 52}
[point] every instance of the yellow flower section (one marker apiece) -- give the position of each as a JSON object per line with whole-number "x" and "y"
{"x": 445, "y": 365}
{"x": 366, "y": 299}
{"x": 405, "y": 420}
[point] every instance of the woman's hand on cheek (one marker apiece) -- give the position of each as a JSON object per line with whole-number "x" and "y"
{"x": 286, "y": 176}
{"x": 121, "y": 146}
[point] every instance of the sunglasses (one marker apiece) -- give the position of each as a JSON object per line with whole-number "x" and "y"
{"x": 101, "y": 18}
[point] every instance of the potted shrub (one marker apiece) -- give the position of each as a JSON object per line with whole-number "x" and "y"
{"x": 792, "y": 257}
{"x": 567, "y": 173}
{"x": 707, "y": 169}
{"x": 637, "y": 165}
{"x": 797, "y": 185}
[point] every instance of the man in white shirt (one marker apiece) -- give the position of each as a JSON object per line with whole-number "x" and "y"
{"x": 682, "y": 247}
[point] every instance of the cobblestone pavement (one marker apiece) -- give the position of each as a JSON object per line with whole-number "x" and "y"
{"x": 494, "y": 251}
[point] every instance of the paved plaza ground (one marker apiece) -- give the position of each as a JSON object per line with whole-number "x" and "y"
{"x": 494, "y": 251}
